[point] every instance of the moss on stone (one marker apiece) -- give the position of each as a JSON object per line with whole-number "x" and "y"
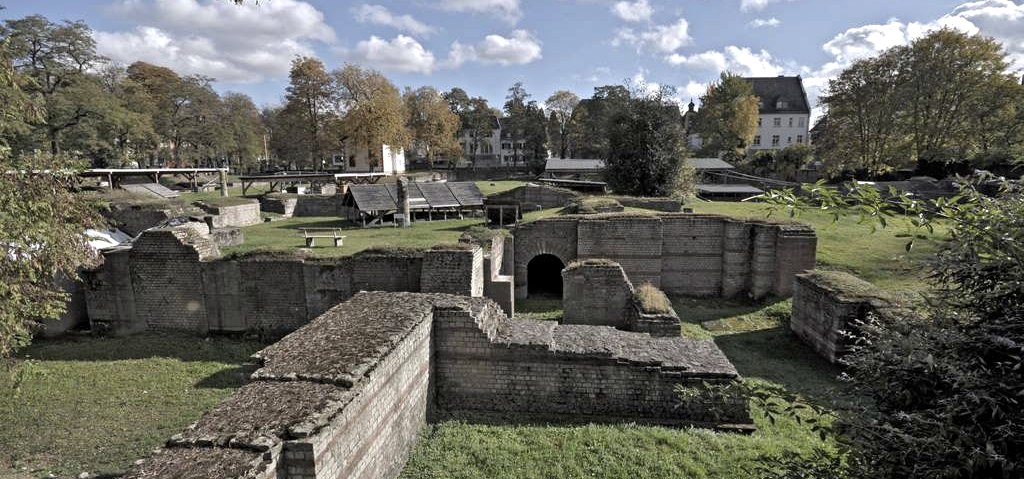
{"x": 652, "y": 300}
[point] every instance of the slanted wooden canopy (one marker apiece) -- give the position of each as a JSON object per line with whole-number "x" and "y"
{"x": 373, "y": 202}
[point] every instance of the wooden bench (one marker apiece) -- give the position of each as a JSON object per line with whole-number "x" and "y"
{"x": 311, "y": 234}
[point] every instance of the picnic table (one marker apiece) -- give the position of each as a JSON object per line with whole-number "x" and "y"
{"x": 311, "y": 234}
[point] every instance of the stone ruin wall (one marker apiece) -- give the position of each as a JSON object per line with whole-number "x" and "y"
{"x": 534, "y": 197}
{"x": 828, "y": 304}
{"x": 171, "y": 280}
{"x": 597, "y": 292}
{"x": 682, "y": 254}
{"x": 290, "y": 205}
{"x": 348, "y": 394}
{"x": 232, "y": 216}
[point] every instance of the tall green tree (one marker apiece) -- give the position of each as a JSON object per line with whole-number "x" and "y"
{"x": 560, "y": 105}
{"x": 42, "y": 221}
{"x": 432, "y": 125}
{"x": 516, "y": 120}
{"x": 310, "y": 98}
{"x": 479, "y": 122}
{"x": 937, "y": 104}
{"x": 591, "y": 120}
{"x": 243, "y": 125}
{"x": 647, "y": 146}
{"x": 727, "y": 121}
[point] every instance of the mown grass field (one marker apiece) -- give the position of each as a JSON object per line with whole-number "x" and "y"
{"x": 88, "y": 404}
{"x": 91, "y": 404}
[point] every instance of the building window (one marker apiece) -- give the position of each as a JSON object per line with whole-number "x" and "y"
{"x": 757, "y": 140}
{"x": 781, "y": 105}
{"x": 351, "y": 161}
{"x": 759, "y": 122}
{"x": 789, "y": 140}
{"x": 799, "y": 138}
{"x": 791, "y": 122}
{"x": 801, "y": 122}
{"x": 775, "y": 140}
{"x": 777, "y": 122}
{"x": 506, "y": 146}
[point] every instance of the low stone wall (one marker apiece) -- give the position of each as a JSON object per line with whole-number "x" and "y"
{"x": 279, "y": 203}
{"x": 682, "y": 254}
{"x": 827, "y": 304}
{"x": 498, "y": 283}
{"x": 304, "y": 205}
{"x": 534, "y": 197}
{"x": 490, "y": 366}
{"x": 173, "y": 279}
{"x": 239, "y": 213}
{"x": 134, "y": 219}
{"x": 347, "y": 395}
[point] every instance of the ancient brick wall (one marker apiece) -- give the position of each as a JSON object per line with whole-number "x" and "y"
{"x": 235, "y": 215}
{"x": 445, "y": 271}
{"x": 166, "y": 277}
{"x": 683, "y": 254}
{"x": 175, "y": 280}
{"x": 488, "y": 365}
{"x": 347, "y": 395}
{"x": 500, "y": 286}
{"x": 692, "y": 255}
{"x": 827, "y": 304}
{"x": 319, "y": 205}
{"x": 633, "y": 242}
{"x": 279, "y": 203}
{"x": 667, "y": 205}
{"x": 597, "y": 293}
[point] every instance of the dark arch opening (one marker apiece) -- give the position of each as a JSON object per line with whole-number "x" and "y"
{"x": 544, "y": 277}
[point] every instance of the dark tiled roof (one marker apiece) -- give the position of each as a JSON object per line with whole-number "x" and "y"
{"x": 728, "y": 188}
{"x": 772, "y": 90}
{"x": 573, "y": 164}
{"x": 438, "y": 195}
{"x": 371, "y": 197}
{"x": 467, "y": 193}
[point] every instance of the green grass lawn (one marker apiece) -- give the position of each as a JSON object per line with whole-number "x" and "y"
{"x": 498, "y": 186}
{"x": 753, "y": 338}
{"x": 91, "y": 404}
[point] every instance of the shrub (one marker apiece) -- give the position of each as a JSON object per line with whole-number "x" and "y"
{"x": 652, "y": 300}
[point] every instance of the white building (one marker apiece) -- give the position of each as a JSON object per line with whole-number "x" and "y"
{"x": 784, "y": 119}
{"x": 498, "y": 149}
{"x": 383, "y": 159}
{"x": 785, "y": 113}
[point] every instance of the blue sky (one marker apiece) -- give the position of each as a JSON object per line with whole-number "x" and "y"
{"x": 484, "y": 46}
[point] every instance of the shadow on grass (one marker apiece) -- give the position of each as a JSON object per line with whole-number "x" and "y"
{"x": 316, "y": 224}
{"x": 777, "y": 355}
{"x": 180, "y": 346}
{"x": 231, "y": 378}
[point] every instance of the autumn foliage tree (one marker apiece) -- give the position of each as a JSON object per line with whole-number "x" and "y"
{"x": 432, "y": 125}
{"x": 727, "y": 121}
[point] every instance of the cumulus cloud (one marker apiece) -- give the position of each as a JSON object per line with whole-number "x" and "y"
{"x": 638, "y": 11}
{"x": 660, "y": 38}
{"x": 753, "y": 5}
{"x": 739, "y": 60}
{"x": 379, "y": 15}
{"x": 761, "y": 22}
{"x": 402, "y": 54}
{"x": 519, "y": 48}
{"x": 508, "y": 10}
{"x": 232, "y": 43}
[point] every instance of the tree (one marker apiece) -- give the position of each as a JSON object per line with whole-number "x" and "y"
{"x": 479, "y": 122}
{"x": 939, "y": 104}
{"x": 727, "y": 121}
{"x": 778, "y": 164}
{"x": 42, "y": 220}
{"x": 561, "y": 105}
{"x": 243, "y": 126}
{"x": 433, "y": 126}
{"x": 310, "y": 98}
{"x": 647, "y": 144}
{"x": 590, "y": 121}
{"x": 373, "y": 112}
{"x": 942, "y": 385}
{"x": 516, "y": 120}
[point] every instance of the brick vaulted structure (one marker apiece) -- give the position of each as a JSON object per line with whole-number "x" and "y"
{"x": 683, "y": 254}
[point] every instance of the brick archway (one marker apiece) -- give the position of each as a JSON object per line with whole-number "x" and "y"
{"x": 544, "y": 276}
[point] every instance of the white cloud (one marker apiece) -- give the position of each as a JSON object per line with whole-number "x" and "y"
{"x": 519, "y": 48}
{"x": 761, "y": 22}
{"x": 694, "y": 90}
{"x": 379, "y": 15}
{"x": 638, "y": 11}
{"x": 507, "y": 10}
{"x": 402, "y": 54}
{"x": 739, "y": 60}
{"x": 660, "y": 38}
{"x": 220, "y": 39}
{"x": 753, "y": 5}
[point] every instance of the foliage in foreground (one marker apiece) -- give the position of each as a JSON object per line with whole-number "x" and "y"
{"x": 944, "y": 388}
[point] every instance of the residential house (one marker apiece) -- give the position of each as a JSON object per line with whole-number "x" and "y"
{"x": 360, "y": 159}
{"x": 785, "y": 113}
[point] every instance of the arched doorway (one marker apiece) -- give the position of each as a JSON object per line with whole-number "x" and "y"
{"x": 544, "y": 277}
